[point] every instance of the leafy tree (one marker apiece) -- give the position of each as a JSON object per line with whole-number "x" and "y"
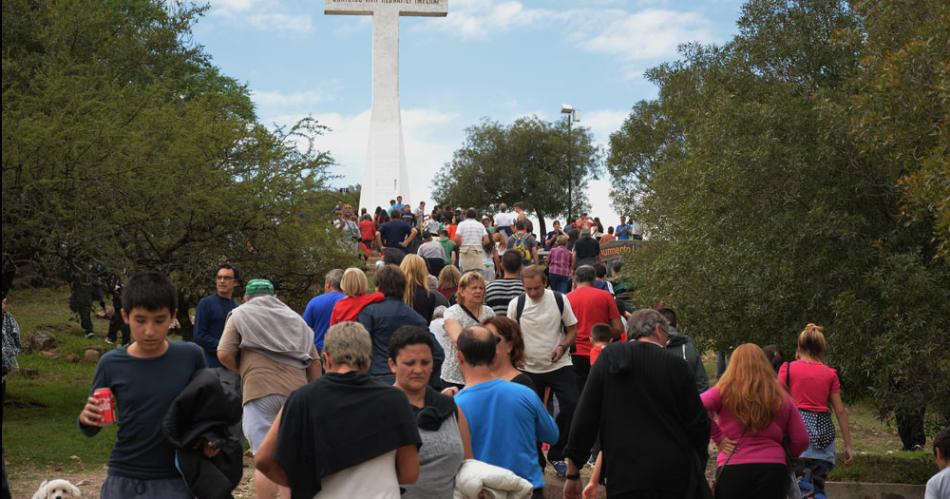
{"x": 765, "y": 211}
{"x": 125, "y": 149}
{"x": 531, "y": 160}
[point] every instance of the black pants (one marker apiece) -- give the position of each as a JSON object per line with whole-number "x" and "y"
{"x": 753, "y": 481}
{"x": 910, "y": 427}
{"x": 116, "y": 324}
{"x": 581, "y": 370}
{"x": 5, "y": 493}
{"x": 563, "y": 383}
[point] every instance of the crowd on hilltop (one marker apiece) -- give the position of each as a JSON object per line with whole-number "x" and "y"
{"x": 479, "y": 245}
{"x": 470, "y": 367}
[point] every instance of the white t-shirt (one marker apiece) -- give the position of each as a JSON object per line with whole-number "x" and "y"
{"x": 541, "y": 331}
{"x": 938, "y": 487}
{"x": 504, "y": 220}
{"x": 471, "y": 231}
{"x": 374, "y": 478}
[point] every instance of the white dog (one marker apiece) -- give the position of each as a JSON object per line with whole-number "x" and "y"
{"x": 57, "y": 489}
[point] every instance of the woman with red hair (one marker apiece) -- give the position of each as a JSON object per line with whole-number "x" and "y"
{"x": 751, "y": 415}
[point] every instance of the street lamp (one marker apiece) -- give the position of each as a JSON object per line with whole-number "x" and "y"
{"x": 571, "y": 114}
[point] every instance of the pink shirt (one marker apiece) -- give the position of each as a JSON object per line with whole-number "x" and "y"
{"x": 762, "y": 447}
{"x": 812, "y": 384}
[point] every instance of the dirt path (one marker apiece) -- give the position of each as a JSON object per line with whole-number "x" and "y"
{"x": 89, "y": 480}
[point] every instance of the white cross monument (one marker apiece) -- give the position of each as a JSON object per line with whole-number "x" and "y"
{"x": 384, "y": 174}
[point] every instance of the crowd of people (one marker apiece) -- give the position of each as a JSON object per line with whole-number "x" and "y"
{"x": 463, "y": 369}
{"x": 461, "y": 238}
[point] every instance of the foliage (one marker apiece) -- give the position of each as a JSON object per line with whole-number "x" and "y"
{"x": 125, "y": 149}
{"x": 534, "y": 161}
{"x": 768, "y": 208}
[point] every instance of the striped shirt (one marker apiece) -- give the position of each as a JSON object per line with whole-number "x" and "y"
{"x": 471, "y": 231}
{"x": 500, "y": 292}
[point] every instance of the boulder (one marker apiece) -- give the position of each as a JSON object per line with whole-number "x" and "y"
{"x": 91, "y": 355}
{"x": 49, "y": 354}
{"x": 41, "y": 342}
{"x": 71, "y": 357}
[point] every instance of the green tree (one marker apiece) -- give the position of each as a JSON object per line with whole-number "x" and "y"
{"x": 531, "y": 160}
{"x": 764, "y": 212}
{"x": 125, "y": 149}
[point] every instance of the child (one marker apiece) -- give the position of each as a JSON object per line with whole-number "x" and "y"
{"x": 938, "y": 487}
{"x": 145, "y": 377}
{"x": 600, "y": 335}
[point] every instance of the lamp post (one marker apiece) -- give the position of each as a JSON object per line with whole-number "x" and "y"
{"x": 571, "y": 114}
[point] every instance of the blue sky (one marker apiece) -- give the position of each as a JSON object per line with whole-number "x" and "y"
{"x": 493, "y": 59}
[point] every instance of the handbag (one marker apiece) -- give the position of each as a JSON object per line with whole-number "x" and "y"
{"x": 715, "y": 480}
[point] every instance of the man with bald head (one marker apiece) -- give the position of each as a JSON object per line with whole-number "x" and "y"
{"x": 505, "y": 419}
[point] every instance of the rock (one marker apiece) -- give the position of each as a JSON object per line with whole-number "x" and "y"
{"x": 91, "y": 355}
{"x": 71, "y": 357}
{"x": 49, "y": 354}
{"x": 40, "y": 342}
{"x": 82, "y": 483}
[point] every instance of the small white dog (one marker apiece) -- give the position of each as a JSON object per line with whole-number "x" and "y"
{"x": 57, "y": 489}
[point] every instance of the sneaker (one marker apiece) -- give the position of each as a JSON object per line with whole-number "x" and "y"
{"x": 110, "y": 341}
{"x": 89, "y": 335}
{"x": 560, "y": 468}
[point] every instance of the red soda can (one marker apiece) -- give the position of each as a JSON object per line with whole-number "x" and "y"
{"x": 106, "y": 405}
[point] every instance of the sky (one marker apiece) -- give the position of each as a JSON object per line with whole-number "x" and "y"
{"x": 487, "y": 59}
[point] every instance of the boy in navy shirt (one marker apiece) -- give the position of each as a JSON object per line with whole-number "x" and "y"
{"x": 145, "y": 377}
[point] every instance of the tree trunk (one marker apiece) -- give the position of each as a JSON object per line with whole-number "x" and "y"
{"x": 541, "y": 226}
{"x": 187, "y": 330}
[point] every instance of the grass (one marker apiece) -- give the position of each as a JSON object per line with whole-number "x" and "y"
{"x": 44, "y": 399}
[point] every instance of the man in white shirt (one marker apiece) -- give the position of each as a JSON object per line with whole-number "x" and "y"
{"x": 503, "y": 220}
{"x": 471, "y": 237}
{"x": 548, "y": 328}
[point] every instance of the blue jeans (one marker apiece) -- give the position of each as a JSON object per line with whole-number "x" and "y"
{"x": 560, "y": 283}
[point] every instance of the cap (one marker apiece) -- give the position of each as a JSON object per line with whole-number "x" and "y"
{"x": 259, "y": 287}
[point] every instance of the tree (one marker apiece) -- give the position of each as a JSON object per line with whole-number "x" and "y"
{"x": 125, "y": 149}
{"x": 531, "y": 160}
{"x": 765, "y": 211}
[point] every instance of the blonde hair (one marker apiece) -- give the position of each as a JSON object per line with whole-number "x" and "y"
{"x": 562, "y": 240}
{"x": 354, "y": 282}
{"x": 449, "y": 277}
{"x": 349, "y": 343}
{"x": 749, "y": 388}
{"x": 417, "y": 276}
{"x": 812, "y": 342}
{"x": 467, "y": 280}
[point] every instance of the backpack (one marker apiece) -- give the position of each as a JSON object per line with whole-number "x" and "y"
{"x": 520, "y": 246}
{"x": 519, "y": 311}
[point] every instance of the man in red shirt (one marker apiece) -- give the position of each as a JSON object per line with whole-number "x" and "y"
{"x": 591, "y": 306}
{"x": 367, "y": 234}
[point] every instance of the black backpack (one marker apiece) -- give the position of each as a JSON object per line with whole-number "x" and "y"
{"x": 558, "y": 297}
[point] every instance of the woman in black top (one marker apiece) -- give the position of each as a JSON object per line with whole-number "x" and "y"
{"x": 509, "y": 353}
{"x": 417, "y": 293}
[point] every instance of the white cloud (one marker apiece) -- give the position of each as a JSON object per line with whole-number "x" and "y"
{"x": 639, "y": 37}
{"x": 649, "y": 34}
{"x": 478, "y": 19}
{"x": 264, "y": 15}
{"x": 269, "y": 99}
{"x": 603, "y": 122}
{"x": 430, "y": 135}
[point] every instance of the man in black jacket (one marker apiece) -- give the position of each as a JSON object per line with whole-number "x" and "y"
{"x": 654, "y": 430}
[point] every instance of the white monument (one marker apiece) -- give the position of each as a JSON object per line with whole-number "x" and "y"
{"x": 384, "y": 174}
